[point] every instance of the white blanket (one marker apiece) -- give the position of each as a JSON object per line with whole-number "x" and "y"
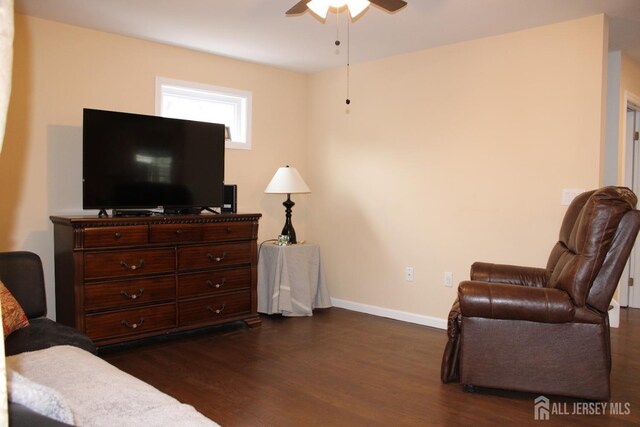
{"x": 98, "y": 393}
{"x": 41, "y": 399}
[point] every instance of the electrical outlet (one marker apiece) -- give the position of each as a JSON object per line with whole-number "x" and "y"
{"x": 408, "y": 274}
{"x": 448, "y": 279}
{"x": 568, "y": 194}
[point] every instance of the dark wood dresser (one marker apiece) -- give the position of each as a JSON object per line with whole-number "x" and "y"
{"x": 125, "y": 278}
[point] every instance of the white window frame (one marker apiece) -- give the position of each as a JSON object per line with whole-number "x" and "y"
{"x": 216, "y": 93}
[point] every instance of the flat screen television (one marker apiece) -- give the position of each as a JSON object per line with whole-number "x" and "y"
{"x": 134, "y": 161}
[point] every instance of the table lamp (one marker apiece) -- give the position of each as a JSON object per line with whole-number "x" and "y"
{"x": 287, "y": 181}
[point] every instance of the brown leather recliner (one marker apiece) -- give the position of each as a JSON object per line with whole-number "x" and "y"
{"x": 547, "y": 330}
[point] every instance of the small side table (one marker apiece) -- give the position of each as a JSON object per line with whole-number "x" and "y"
{"x": 291, "y": 280}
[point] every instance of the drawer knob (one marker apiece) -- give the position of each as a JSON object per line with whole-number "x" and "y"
{"x": 229, "y": 230}
{"x": 117, "y": 236}
{"x": 178, "y": 232}
{"x": 133, "y": 325}
{"x": 133, "y": 266}
{"x": 132, "y": 296}
{"x": 217, "y": 285}
{"x": 216, "y": 259}
{"x": 217, "y": 310}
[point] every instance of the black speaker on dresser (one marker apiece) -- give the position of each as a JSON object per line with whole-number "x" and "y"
{"x": 230, "y": 199}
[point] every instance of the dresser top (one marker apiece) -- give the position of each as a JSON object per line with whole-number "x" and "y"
{"x": 96, "y": 221}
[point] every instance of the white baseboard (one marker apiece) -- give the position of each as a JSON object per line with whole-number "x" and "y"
{"x": 434, "y": 322}
{"x": 404, "y": 316}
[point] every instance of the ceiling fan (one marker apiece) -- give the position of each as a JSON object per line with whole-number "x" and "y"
{"x": 321, "y": 7}
{"x": 355, "y": 8}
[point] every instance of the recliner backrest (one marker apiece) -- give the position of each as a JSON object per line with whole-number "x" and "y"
{"x": 586, "y": 237}
{"x": 21, "y": 273}
{"x": 606, "y": 282}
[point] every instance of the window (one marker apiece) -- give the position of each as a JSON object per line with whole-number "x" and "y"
{"x": 194, "y": 101}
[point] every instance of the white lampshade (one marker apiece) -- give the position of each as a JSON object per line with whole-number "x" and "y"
{"x": 287, "y": 181}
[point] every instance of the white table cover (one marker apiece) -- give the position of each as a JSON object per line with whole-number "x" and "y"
{"x": 291, "y": 280}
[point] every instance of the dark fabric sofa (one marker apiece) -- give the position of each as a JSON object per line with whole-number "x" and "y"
{"x": 120, "y": 400}
{"x": 21, "y": 273}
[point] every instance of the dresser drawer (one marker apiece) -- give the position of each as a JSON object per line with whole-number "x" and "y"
{"x": 162, "y": 233}
{"x": 128, "y": 263}
{"x": 228, "y": 231}
{"x": 190, "y": 285}
{"x": 101, "y": 237}
{"x": 130, "y": 322}
{"x": 209, "y": 256}
{"x": 211, "y": 308}
{"x": 126, "y": 293}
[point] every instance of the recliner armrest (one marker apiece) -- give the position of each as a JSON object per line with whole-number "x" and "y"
{"x": 513, "y": 302}
{"x": 512, "y": 274}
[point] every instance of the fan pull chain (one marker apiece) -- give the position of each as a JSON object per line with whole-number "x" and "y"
{"x": 337, "y": 29}
{"x": 348, "y": 101}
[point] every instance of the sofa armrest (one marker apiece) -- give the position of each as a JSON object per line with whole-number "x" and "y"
{"x": 44, "y": 333}
{"x": 513, "y": 302}
{"x": 511, "y": 274}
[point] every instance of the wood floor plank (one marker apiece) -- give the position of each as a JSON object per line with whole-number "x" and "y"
{"x": 342, "y": 368}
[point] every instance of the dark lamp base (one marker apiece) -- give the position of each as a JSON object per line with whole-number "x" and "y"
{"x": 288, "y": 230}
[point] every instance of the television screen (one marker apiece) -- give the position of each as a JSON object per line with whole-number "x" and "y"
{"x": 134, "y": 161}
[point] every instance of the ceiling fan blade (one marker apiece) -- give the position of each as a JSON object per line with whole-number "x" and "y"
{"x": 390, "y": 5}
{"x": 299, "y": 8}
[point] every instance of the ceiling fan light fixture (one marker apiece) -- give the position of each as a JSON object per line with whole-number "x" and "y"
{"x": 356, "y": 7}
{"x": 319, "y": 7}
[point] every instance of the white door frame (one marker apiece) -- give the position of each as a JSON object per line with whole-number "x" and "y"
{"x": 631, "y": 101}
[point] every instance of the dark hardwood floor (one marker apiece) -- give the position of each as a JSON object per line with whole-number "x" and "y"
{"x": 342, "y": 368}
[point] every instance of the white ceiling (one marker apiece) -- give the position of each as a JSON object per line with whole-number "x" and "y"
{"x": 259, "y": 31}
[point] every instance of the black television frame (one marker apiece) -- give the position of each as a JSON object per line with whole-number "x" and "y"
{"x": 113, "y": 179}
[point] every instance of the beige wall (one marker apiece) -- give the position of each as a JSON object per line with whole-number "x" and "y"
{"x": 452, "y": 155}
{"x": 59, "y": 69}
{"x": 445, "y": 156}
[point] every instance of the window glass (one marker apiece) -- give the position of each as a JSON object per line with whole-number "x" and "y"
{"x": 195, "y": 101}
